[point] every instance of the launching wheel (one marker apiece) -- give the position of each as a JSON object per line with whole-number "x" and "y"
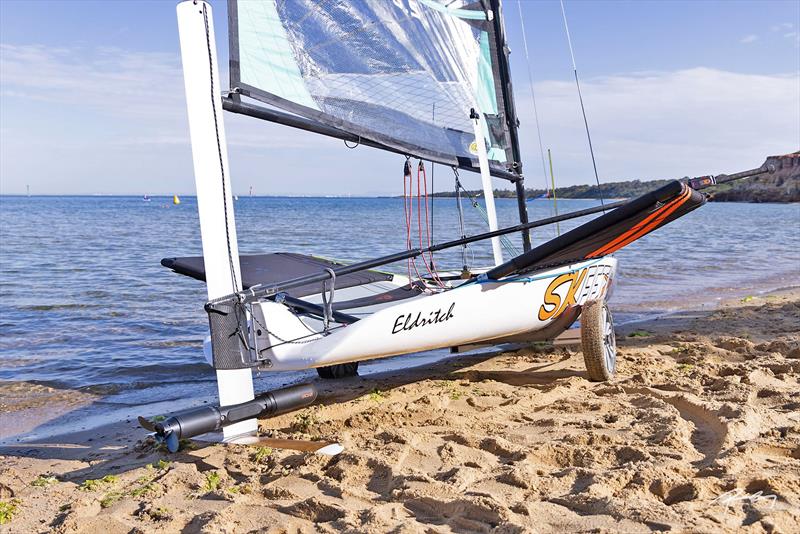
{"x": 598, "y": 342}
{"x": 341, "y": 370}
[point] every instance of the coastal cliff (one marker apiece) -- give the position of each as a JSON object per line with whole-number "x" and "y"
{"x": 780, "y": 185}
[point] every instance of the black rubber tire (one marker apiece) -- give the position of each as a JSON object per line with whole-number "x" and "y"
{"x": 341, "y": 370}
{"x": 598, "y": 341}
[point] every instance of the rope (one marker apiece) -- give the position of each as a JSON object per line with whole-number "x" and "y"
{"x": 580, "y": 97}
{"x": 433, "y": 185}
{"x": 296, "y": 341}
{"x": 408, "y": 208}
{"x": 234, "y": 281}
{"x": 429, "y": 263}
{"x": 533, "y": 93}
{"x": 327, "y": 300}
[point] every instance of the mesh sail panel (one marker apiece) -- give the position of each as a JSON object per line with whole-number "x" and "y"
{"x": 403, "y": 73}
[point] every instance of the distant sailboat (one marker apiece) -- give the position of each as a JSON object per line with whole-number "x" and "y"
{"x": 176, "y": 200}
{"x": 146, "y": 198}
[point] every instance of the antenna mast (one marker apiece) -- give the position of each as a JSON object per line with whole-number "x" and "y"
{"x": 580, "y": 97}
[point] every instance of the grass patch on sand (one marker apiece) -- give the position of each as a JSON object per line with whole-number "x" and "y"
{"x": 640, "y": 333}
{"x": 213, "y": 481}
{"x": 8, "y": 510}
{"x": 456, "y": 394}
{"x": 161, "y": 465}
{"x": 261, "y": 454}
{"x": 147, "y": 481}
{"x": 162, "y": 513}
{"x": 376, "y": 395}
{"x": 97, "y": 483}
{"x": 304, "y": 421}
{"x": 43, "y": 481}
{"x": 110, "y": 499}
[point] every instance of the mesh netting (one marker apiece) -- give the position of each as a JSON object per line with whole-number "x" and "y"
{"x": 404, "y": 73}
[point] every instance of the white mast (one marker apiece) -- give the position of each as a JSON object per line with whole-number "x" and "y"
{"x": 212, "y": 180}
{"x": 486, "y": 181}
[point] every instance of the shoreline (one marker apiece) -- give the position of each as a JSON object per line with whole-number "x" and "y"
{"x": 698, "y": 420}
{"x": 440, "y": 194}
{"x": 76, "y": 405}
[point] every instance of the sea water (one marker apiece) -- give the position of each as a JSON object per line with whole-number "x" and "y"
{"x": 85, "y": 303}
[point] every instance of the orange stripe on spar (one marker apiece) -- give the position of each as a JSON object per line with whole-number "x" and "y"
{"x": 663, "y": 213}
{"x": 633, "y": 230}
{"x": 652, "y": 226}
{"x": 644, "y": 225}
{"x": 655, "y": 223}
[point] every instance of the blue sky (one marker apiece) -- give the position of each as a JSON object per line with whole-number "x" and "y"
{"x": 91, "y": 98}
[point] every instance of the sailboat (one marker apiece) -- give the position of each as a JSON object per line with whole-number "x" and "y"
{"x": 370, "y": 72}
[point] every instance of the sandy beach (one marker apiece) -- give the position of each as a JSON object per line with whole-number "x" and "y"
{"x": 700, "y": 432}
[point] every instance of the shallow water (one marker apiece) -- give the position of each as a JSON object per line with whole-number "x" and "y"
{"x": 85, "y": 303}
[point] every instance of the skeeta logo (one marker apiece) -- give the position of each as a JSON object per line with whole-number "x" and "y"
{"x": 552, "y": 300}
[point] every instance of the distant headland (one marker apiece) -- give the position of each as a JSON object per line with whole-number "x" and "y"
{"x": 780, "y": 185}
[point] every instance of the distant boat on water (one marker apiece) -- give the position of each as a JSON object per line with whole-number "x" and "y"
{"x": 176, "y": 200}
{"x": 146, "y": 198}
{"x": 543, "y": 196}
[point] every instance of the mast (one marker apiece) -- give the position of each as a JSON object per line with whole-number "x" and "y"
{"x": 486, "y": 181}
{"x": 212, "y": 180}
{"x": 512, "y": 122}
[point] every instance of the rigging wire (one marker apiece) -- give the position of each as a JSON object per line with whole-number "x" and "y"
{"x": 465, "y": 267}
{"x": 507, "y": 245}
{"x": 553, "y": 182}
{"x": 433, "y": 186}
{"x": 580, "y": 97}
{"x": 533, "y": 93}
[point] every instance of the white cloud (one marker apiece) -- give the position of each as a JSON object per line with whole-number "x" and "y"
{"x": 747, "y": 39}
{"x": 114, "y": 81}
{"x": 77, "y": 120}
{"x": 781, "y": 26}
{"x": 663, "y": 124}
{"x": 113, "y": 109}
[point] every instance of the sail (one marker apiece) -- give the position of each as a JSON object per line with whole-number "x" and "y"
{"x": 401, "y": 73}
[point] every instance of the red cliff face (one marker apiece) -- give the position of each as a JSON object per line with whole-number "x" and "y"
{"x": 780, "y": 185}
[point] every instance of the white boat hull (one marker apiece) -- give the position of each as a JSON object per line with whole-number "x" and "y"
{"x": 472, "y": 313}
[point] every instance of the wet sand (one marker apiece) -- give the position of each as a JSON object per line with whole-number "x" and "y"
{"x": 25, "y": 405}
{"x": 699, "y": 432}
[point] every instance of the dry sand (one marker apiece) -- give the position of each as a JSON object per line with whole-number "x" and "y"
{"x": 700, "y": 432}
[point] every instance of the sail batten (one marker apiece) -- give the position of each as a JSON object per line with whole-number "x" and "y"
{"x": 404, "y": 74}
